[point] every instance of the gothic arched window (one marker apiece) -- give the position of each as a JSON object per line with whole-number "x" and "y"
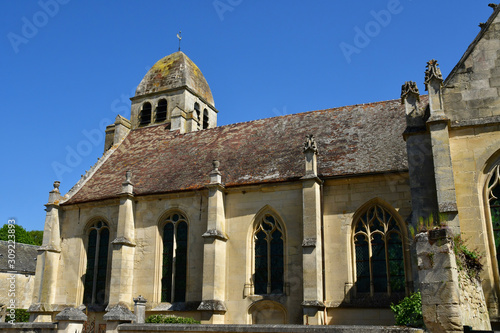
{"x": 198, "y": 115}
{"x": 97, "y": 264}
{"x": 269, "y": 256}
{"x": 205, "y": 119}
{"x": 494, "y": 203}
{"x": 378, "y": 244}
{"x": 161, "y": 111}
{"x": 175, "y": 236}
{"x": 145, "y": 117}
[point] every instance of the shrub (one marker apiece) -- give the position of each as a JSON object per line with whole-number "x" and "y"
{"x": 21, "y": 316}
{"x": 467, "y": 259}
{"x": 163, "y": 319}
{"x": 408, "y": 312}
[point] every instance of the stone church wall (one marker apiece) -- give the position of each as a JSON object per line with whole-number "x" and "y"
{"x": 474, "y": 151}
{"x": 243, "y": 206}
{"x": 472, "y": 92}
{"x": 342, "y": 199}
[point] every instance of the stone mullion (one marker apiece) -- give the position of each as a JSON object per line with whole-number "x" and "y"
{"x": 370, "y": 266}
{"x": 387, "y": 268}
{"x": 268, "y": 241}
{"x": 174, "y": 260}
{"x": 96, "y": 265}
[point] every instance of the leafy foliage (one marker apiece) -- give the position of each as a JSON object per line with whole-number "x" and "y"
{"x": 408, "y": 312}
{"x": 37, "y": 236}
{"x": 22, "y": 236}
{"x": 467, "y": 259}
{"x": 21, "y": 316}
{"x": 162, "y": 319}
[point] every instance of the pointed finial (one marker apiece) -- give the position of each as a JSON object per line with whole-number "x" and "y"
{"x": 493, "y": 5}
{"x": 56, "y": 186}
{"x": 180, "y": 37}
{"x": 215, "y": 165}
{"x": 128, "y": 177}
{"x": 432, "y": 72}
{"x": 127, "y": 185}
{"x": 310, "y": 144}
{"x": 215, "y": 175}
{"x": 408, "y": 88}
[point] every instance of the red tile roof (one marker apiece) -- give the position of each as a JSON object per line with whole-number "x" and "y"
{"x": 358, "y": 139}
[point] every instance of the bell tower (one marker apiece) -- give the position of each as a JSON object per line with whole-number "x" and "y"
{"x": 174, "y": 92}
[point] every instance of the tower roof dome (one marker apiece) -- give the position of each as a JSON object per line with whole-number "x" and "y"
{"x": 175, "y": 71}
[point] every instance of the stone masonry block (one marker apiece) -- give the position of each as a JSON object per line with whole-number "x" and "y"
{"x": 439, "y": 293}
{"x": 449, "y": 317}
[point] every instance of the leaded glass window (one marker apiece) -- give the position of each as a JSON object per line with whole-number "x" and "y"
{"x": 97, "y": 264}
{"x": 494, "y": 202}
{"x": 198, "y": 115}
{"x": 379, "y": 253}
{"x": 161, "y": 111}
{"x": 175, "y": 236}
{"x": 145, "y": 116}
{"x": 269, "y": 257}
{"x": 205, "y": 119}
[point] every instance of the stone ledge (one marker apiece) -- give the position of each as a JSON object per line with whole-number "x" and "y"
{"x": 313, "y": 304}
{"x": 28, "y": 326}
{"x": 39, "y": 307}
{"x": 264, "y": 328}
{"x": 49, "y": 248}
{"x": 212, "y": 305}
{"x": 213, "y": 233}
{"x": 123, "y": 241}
{"x": 475, "y": 122}
{"x": 309, "y": 242}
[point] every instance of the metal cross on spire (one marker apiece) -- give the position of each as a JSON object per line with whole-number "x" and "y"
{"x": 180, "y": 37}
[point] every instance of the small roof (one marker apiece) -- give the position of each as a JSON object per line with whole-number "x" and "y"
{"x": 351, "y": 140}
{"x": 172, "y": 72}
{"x": 25, "y": 261}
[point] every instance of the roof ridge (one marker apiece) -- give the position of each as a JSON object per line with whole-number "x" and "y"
{"x": 311, "y": 111}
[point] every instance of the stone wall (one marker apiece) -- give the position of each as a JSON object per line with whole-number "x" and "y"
{"x": 448, "y": 302}
{"x": 174, "y": 328}
{"x": 472, "y": 302}
{"x": 23, "y": 291}
{"x": 474, "y": 152}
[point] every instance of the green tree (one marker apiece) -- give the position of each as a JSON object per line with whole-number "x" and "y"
{"x": 37, "y": 236}
{"x": 22, "y": 236}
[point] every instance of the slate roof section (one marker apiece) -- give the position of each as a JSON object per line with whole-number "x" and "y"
{"x": 25, "y": 258}
{"x": 352, "y": 140}
{"x": 174, "y": 71}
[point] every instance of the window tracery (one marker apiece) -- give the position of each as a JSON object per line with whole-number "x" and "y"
{"x": 269, "y": 256}
{"x": 174, "y": 268}
{"x": 378, "y": 243}
{"x": 97, "y": 264}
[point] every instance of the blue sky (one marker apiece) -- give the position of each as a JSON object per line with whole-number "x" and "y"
{"x": 68, "y": 68}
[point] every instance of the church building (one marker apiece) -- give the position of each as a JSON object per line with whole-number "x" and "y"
{"x": 298, "y": 219}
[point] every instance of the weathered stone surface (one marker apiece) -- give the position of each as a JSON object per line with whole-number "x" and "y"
{"x": 265, "y": 328}
{"x": 119, "y": 313}
{"x": 71, "y": 314}
{"x": 212, "y": 305}
{"x": 347, "y": 148}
